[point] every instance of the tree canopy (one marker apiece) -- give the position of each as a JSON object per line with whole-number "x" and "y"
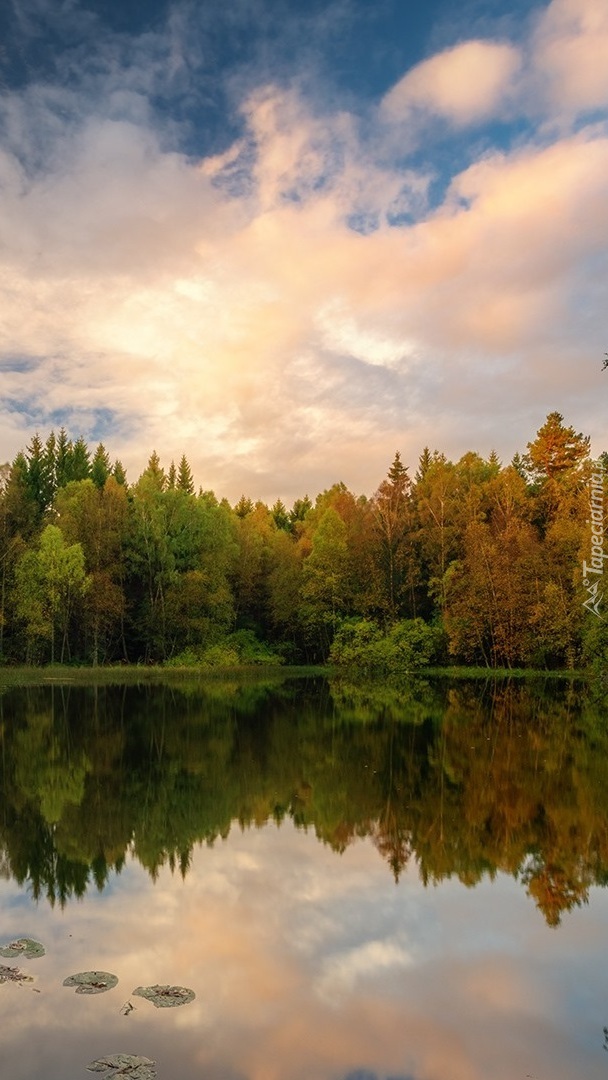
{"x": 94, "y": 569}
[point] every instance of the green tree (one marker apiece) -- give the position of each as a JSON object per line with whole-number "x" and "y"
{"x": 50, "y": 581}
{"x": 79, "y": 460}
{"x": 391, "y": 512}
{"x": 435, "y": 509}
{"x": 39, "y": 475}
{"x": 325, "y": 584}
{"x": 185, "y": 481}
{"x": 100, "y": 467}
{"x": 97, "y": 518}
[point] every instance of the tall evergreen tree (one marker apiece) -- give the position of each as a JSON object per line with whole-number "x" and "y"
{"x": 63, "y": 453}
{"x": 100, "y": 467}
{"x": 80, "y": 460}
{"x": 119, "y": 474}
{"x": 185, "y": 481}
{"x": 39, "y": 477}
{"x": 391, "y": 510}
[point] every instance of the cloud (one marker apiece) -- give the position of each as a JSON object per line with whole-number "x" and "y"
{"x": 308, "y": 290}
{"x": 258, "y": 924}
{"x": 463, "y": 84}
{"x": 570, "y": 47}
{"x": 340, "y": 974}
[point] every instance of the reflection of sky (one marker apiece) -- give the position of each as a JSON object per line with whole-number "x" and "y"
{"x": 307, "y": 966}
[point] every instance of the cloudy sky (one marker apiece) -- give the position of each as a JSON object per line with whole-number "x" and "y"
{"x": 289, "y": 238}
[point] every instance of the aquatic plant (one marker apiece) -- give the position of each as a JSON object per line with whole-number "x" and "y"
{"x": 24, "y": 946}
{"x": 133, "y": 1066}
{"x": 165, "y": 997}
{"x": 91, "y": 982}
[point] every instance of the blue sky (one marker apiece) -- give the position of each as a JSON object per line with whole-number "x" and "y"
{"x": 288, "y": 239}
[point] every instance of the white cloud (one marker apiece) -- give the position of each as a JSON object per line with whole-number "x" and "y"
{"x": 464, "y": 84}
{"x": 340, "y": 973}
{"x": 570, "y": 50}
{"x": 226, "y": 309}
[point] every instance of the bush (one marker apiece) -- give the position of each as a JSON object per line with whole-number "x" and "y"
{"x": 406, "y": 646}
{"x": 242, "y": 647}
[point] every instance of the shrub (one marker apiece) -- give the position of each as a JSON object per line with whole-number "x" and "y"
{"x": 407, "y": 645}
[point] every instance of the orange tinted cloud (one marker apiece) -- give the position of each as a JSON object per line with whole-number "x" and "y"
{"x": 271, "y": 310}
{"x": 570, "y": 51}
{"x": 463, "y": 84}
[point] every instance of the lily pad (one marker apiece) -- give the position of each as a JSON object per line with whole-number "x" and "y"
{"x": 91, "y": 982}
{"x": 166, "y": 997}
{"x": 133, "y": 1066}
{"x": 10, "y": 974}
{"x": 23, "y": 946}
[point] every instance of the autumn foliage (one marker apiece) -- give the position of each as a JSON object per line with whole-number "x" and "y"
{"x": 472, "y": 562}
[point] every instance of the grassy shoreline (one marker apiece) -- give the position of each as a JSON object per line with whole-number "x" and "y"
{"x": 138, "y": 674}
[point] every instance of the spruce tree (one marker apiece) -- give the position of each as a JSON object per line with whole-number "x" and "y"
{"x": 185, "y": 481}
{"x": 100, "y": 468}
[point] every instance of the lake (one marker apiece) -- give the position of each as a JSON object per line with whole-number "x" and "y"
{"x": 357, "y": 881}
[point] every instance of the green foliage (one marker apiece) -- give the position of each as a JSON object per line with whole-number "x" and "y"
{"x": 493, "y": 552}
{"x": 595, "y": 645}
{"x": 237, "y": 649}
{"x": 408, "y": 645}
{"x": 49, "y": 583}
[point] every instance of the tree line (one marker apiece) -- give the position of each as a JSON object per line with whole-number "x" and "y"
{"x": 471, "y": 562}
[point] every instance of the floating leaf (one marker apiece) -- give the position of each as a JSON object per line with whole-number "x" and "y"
{"x": 23, "y": 946}
{"x": 10, "y": 974}
{"x": 132, "y": 1066}
{"x": 91, "y": 982}
{"x": 166, "y": 997}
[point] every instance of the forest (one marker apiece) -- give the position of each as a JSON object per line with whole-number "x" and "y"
{"x": 470, "y": 562}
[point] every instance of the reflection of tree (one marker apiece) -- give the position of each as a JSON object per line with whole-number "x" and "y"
{"x": 467, "y": 779}
{"x": 554, "y": 890}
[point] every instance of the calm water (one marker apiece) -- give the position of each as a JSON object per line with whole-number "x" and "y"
{"x": 358, "y": 883}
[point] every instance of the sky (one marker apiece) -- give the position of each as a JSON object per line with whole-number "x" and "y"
{"x": 288, "y": 239}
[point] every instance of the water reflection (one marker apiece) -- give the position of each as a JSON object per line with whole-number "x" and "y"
{"x": 224, "y": 810}
{"x": 461, "y": 780}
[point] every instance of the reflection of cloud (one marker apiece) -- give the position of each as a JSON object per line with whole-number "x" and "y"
{"x": 340, "y": 973}
{"x": 487, "y": 991}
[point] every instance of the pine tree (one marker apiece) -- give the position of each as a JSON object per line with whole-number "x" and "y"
{"x": 50, "y": 465}
{"x": 556, "y": 449}
{"x": 391, "y": 510}
{"x": 184, "y": 477}
{"x": 63, "y": 452}
{"x": 119, "y": 473}
{"x": 243, "y": 507}
{"x": 280, "y": 515}
{"x": 100, "y": 468}
{"x": 299, "y": 510}
{"x": 155, "y": 472}
{"x": 80, "y": 461}
{"x": 39, "y": 479}
{"x": 424, "y": 463}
